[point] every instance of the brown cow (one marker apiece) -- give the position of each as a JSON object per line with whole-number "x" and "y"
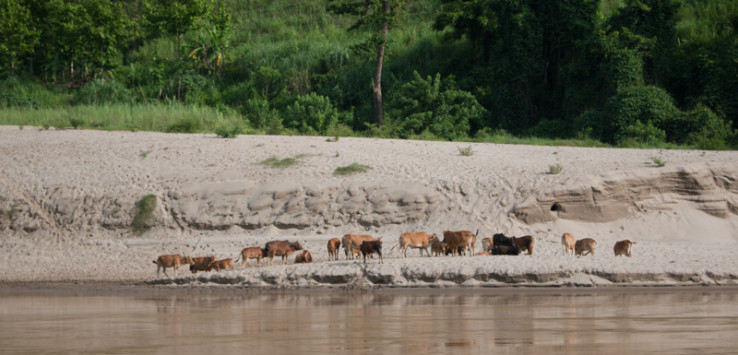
{"x": 438, "y": 248}
{"x": 623, "y": 247}
{"x": 352, "y": 243}
{"x": 585, "y": 246}
{"x": 524, "y": 243}
{"x": 202, "y": 263}
{"x": 459, "y": 241}
{"x": 251, "y": 253}
{"x": 333, "y": 245}
{"x": 281, "y": 248}
{"x": 567, "y": 240}
{"x": 170, "y": 260}
{"x": 370, "y": 247}
{"x": 303, "y": 257}
{"x": 418, "y": 241}
{"x": 223, "y": 264}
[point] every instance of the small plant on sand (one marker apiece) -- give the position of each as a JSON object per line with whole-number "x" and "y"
{"x": 144, "y": 218}
{"x": 276, "y": 162}
{"x": 555, "y": 169}
{"x": 351, "y": 169}
{"x": 228, "y": 131}
{"x": 145, "y": 153}
{"x": 658, "y": 161}
{"x": 467, "y": 151}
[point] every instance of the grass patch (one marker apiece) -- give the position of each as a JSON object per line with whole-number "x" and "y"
{"x": 467, "y": 151}
{"x": 658, "y": 161}
{"x": 354, "y": 168}
{"x": 275, "y": 162}
{"x": 555, "y": 169}
{"x": 144, "y": 218}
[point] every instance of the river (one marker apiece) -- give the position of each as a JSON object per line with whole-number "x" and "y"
{"x": 429, "y": 321}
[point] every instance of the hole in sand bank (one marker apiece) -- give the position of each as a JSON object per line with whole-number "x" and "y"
{"x": 557, "y": 207}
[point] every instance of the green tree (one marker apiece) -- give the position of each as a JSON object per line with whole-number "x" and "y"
{"x": 376, "y": 15}
{"x": 18, "y": 32}
{"x": 175, "y": 16}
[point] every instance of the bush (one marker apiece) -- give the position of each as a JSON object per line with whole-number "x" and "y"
{"x": 103, "y": 92}
{"x": 351, "y": 169}
{"x": 144, "y": 218}
{"x": 433, "y": 105}
{"x": 639, "y": 134}
{"x": 705, "y": 130}
{"x": 229, "y": 130}
{"x": 187, "y": 125}
{"x": 634, "y": 105}
{"x": 311, "y": 113}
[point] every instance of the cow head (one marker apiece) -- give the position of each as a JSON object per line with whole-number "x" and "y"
{"x": 297, "y": 246}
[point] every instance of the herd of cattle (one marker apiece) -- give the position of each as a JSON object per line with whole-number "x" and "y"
{"x": 355, "y": 245}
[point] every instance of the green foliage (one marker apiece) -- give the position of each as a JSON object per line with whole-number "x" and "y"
{"x": 229, "y": 131}
{"x": 101, "y": 92}
{"x": 311, "y": 113}
{"x": 433, "y": 105}
{"x": 638, "y": 134}
{"x": 187, "y": 125}
{"x": 144, "y": 218}
{"x": 351, "y": 169}
{"x": 18, "y": 33}
{"x": 632, "y": 106}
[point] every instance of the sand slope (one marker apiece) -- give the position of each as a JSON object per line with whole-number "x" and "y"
{"x": 68, "y": 199}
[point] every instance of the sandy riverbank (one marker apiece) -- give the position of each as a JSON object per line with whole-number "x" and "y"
{"x": 69, "y": 197}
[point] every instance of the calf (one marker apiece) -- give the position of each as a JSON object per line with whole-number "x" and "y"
{"x": 623, "y": 247}
{"x": 202, "y": 263}
{"x": 223, "y": 264}
{"x": 370, "y": 247}
{"x": 281, "y": 248}
{"x": 567, "y": 240}
{"x": 352, "y": 243}
{"x": 524, "y": 243}
{"x": 333, "y": 245}
{"x": 416, "y": 240}
{"x": 438, "y": 248}
{"x": 251, "y": 253}
{"x": 585, "y": 246}
{"x": 303, "y": 257}
{"x": 170, "y": 260}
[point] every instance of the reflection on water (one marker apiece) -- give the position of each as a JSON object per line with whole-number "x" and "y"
{"x": 432, "y": 321}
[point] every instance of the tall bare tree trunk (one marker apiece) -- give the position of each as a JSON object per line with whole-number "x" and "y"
{"x": 377, "y": 85}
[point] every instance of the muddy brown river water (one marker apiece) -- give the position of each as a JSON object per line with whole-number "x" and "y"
{"x": 429, "y": 321}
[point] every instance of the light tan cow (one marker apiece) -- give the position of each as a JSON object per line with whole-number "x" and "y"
{"x": 333, "y": 246}
{"x": 223, "y": 264}
{"x": 487, "y": 244}
{"x": 171, "y": 260}
{"x": 418, "y": 241}
{"x": 568, "y": 241}
{"x": 352, "y": 243}
{"x": 459, "y": 241}
{"x": 623, "y": 247}
{"x": 585, "y": 246}
{"x": 251, "y": 253}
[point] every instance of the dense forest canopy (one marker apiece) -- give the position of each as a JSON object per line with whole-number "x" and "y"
{"x": 622, "y": 72}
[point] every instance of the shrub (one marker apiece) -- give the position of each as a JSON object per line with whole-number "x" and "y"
{"x": 555, "y": 169}
{"x": 638, "y": 134}
{"x": 187, "y": 125}
{"x": 436, "y": 106}
{"x": 634, "y": 105}
{"x": 144, "y": 218}
{"x": 228, "y": 130}
{"x": 311, "y": 113}
{"x": 467, "y": 151}
{"x": 658, "y": 161}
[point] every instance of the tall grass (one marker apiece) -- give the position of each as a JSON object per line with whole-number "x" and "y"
{"x": 136, "y": 117}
